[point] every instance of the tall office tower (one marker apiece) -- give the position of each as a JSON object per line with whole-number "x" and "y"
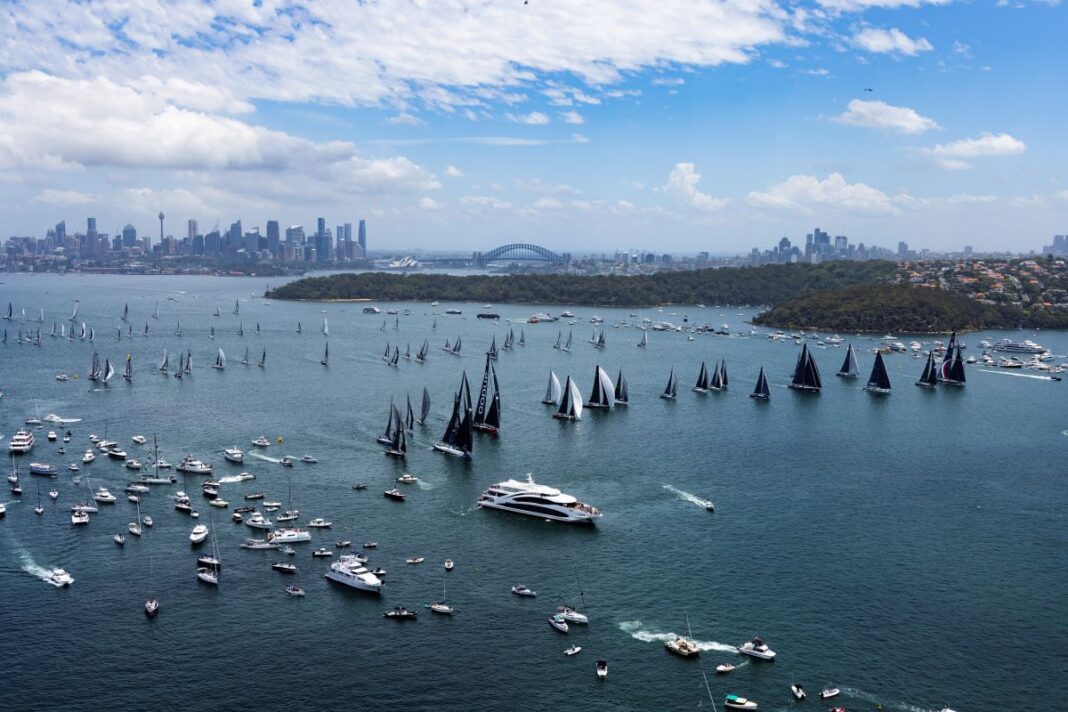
{"x": 192, "y": 229}
{"x": 363, "y": 238}
{"x": 272, "y": 237}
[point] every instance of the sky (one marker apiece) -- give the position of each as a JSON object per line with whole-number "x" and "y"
{"x": 666, "y": 125}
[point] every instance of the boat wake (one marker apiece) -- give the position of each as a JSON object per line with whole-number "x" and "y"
{"x": 636, "y": 630}
{"x": 703, "y": 503}
{"x": 892, "y": 705}
{"x": 230, "y": 479}
{"x": 463, "y": 511}
{"x": 1018, "y": 375}
{"x": 32, "y": 567}
{"x": 258, "y": 456}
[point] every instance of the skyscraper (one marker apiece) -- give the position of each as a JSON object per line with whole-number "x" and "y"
{"x": 272, "y": 237}
{"x": 192, "y": 229}
{"x": 363, "y": 238}
{"x": 129, "y": 235}
{"x": 91, "y": 227}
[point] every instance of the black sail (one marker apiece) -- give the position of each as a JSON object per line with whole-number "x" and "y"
{"x": 761, "y": 390}
{"x": 493, "y": 415}
{"x": 879, "y": 380}
{"x": 480, "y": 408}
{"x": 424, "y": 411}
{"x": 622, "y": 396}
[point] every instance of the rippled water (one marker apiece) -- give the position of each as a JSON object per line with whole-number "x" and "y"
{"x": 910, "y": 549}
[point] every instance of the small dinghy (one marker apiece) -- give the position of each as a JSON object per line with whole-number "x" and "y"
{"x": 797, "y": 691}
{"x": 725, "y": 667}
{"x": 521, "y": 590}
{"x": 829, "y": 692}
{"x": 294, "y": 590}
{"x": 573, "y": 650}
{"x": 602, "y": 669}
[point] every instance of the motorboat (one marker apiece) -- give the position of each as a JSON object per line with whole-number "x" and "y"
{"x": 289, "y": 536}
{"x": 133, "y": 498}
{"x": 261, "y": 442}
{"x": 683, "y": 647}
{"x": 52, "y": 437}
{"x": 829, "y": 692}
{"x": 407, "y": 479}
{"x": 120, "y": 539}
{"x": 573, "y": 650}
{"x": 220, "y": 503}
{"x": 139, "y": 439}
{"x": 233, "y": 454}
{"x": 521, "y": 590}
{"x": 60, "y": 578}
{"x": 370, "y": 545}
{"x": 319, "y": 523}
{"x": 199, "y": 534}
{"x": 244, "y": 476}
{"x": 84, "y": 507}
{"x": 132, "y": 465}
{"x": 379, "y": 572}
{"x": 350, "y": 572}
{"x": 558, "y": 623}
{"x": 208, "y": 575}
{"x": 194, "y": 466}
{"x": 295, "y": 590}
{"x": 88, "y": 457}
{"x": 288, "y": 550}
{"x": 401, "y": 613}
{"x": 236, "y": 516}
{"x": 572, "y": 616}
{"x": 102, "y": 495}
{"x": 724, "y": 668}
{"x": 359, "y": 486}
{"x": 797, "y": 691}
{"x": 284, "y": 567}
{"x": 602, "y": 669}
{"x": 343, "y": 544}
{"x": 323, "y": 553}
{"x": 309, "y": 459}
{"x": 258, "y": 521}
{"x": 137, "y": 488}
{"x": 735, "y": 702}
{"x": 286, "y": 461}
{"x": 116, "y": 453}
{"x": 537, "y": 500}
{"x": 756, "y": 648}
{"x": 395, "y": 494}
{"x": 415, "y": 560}
{"x": 257, "y": 544}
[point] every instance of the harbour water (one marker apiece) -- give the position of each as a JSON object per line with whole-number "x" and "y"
{"x": 909, "y": 549}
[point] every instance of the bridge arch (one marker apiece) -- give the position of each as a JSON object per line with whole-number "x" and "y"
{"x": 520, "y": 251}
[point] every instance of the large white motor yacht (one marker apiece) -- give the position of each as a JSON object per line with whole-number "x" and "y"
{"x": 199, "y": 534}
{"x": 234, "y": 454}
{"x": 60, "y": 578}
{"x": 537, "y": 500}
{"x": 20, "y": 442}
{"x": 350, "y": 572}
{"x": 258, "y": 521}
{"x": 756, "y": 648}
{"x": 193, "y": 466}
{"x": 288, "y": 536}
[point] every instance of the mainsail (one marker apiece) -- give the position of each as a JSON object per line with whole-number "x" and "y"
{"x": 849, "y": 365}
{"x": 806, "y": 373}
{"x": 761, "y": 391}
{"x": 552, "y": 393}
{"x": 879, "y": 380}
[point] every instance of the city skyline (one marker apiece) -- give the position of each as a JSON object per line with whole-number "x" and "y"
{"x": 695, "y": 126}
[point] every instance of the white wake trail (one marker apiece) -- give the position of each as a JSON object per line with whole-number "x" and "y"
{"x": 703, "y": 503}
{"x": 636, "y": 630}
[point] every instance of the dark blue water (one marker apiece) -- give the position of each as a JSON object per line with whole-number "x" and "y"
{"x": 909, "y": 549}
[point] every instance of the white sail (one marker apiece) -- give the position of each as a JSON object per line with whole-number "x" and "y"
{"x": 220, "y": 360}
{"x": 552, "y": 392}
{"x": 326, "y": 327}
{"x": 109, "y": 370}
{"x": 608, "y": 389}
{"x": 163, "y": 361}
{"x": 576, "y": 401}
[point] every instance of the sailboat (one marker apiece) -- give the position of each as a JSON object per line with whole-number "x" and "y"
{"x": 211, "y": 332}
{"x": 210, "y": 574}
{"x": 40, "y": 316}
{"x": 396, "y": 356}
{"x": 761, "y": 391}
{"x": 126, "y": 311}
{"x": 559, "y": 338}
{"x": 603, "y": 394}
{"x": 8, "y": 316}
{"x": 408, "y": 352}
{"x": 398, "y": 444}
{"x": 421, "y": 356}
{"x": 134, "y": 527}
{"x": 522, "y": 338}
{"x": 409, "y": 416}
{"x": 879, "y": 380}
{"x": 386, "y": 437}
{"x": 326, "y": 327}
{"x": 600, "y": 341}
{"x": 94, "y": 370}
{"x": 552, "y": 393}
{"x": 220, "y": 361}
{"x": 178, "y": 331}
{"x": 152, "y": 602}
{"x": 621, "y": 394}
{"x": 385, "y": 354}
{"x": 424, "y": 409}
{"x": 492, "y": 353}
{"x": 567, "y": 347}
{"x": 806, "y": 374}
{"x": 53, "y": 330}
{"x": 570, "y": 402}
{"x": 127, "y": 373}
{"x": 38, "y": 510}
{"x": 109, "y": 371}
{"x": 488, "y": 414}
{"x": 849, "y": 365}
{"x": 180, "y": 371}
{"x": 929, "y": 377}
{"x": 951, "y": 371}
{"x": 263, "y": 358}
{"x": 441, "y": 606}
{"x": 237, "y": 306}
{"x": 164, "y": 362}
{"x": 257, "y": 328}
{"x": 456, "y": 347}
{"x": 326, "y": 354}
{"x": 718, "y": 381}
{"x": 299, "y": 329}
{"x": 645, "y": 339}
{"x": 244, "y": 359}
{"x": 702, "y": 380}
{"x": 458, "y": 439}
{"x": 146, "y": 329}
{"x": 672, "y": 388}
{"x": 217, "y": 312}
{"x": 73, "y": 315}
{"x": 188, "y": 362}
{"x": 241, "y": 329}
{"x": 155, "y": 314}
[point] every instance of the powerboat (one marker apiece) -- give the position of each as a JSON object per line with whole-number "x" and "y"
{"x": 359, "y": 486}
{"x": 602, "y": 669}
{"x": 573, "y": 650}
{"x": 199, "y": 534}
{"x": 133, "y": 464}
{"x": 309, "y": 459}
{"x": 558, "y": 623}
{"x": 724, "y": 668}
{"x": 370, "y": 545}
{"x": 797, "y": 691}
{"x": 319, "y": 523}
{"x": 343, "y": 544}
{"x": 73, "y": 467}
{"x": 261, "y": 442}
{"x": 295, "y": 590}
{"x": 258, "y": 521}
{"x": 284, "y": 567}
{"x": 52, "y": 437}
{"x": 829, "y": 692}
{"x": 60, "y": 578}
{"x": 233, "y": 454}
{"x": 683, "y": 647}
{"x": 401, "y": 613}
{"x": 236, "y": 516}
{"x": 537, "y": 500}
{"x": 395, "y": 494}
{"x": 151, "y": 606}
{"x": 571, "y": 615}
{"x": 220, "y": 503}
{"x": 286, "y": 461}
{"x": 147, "y": 521}
{"x": 756, "y": 648}
{"x": 734, "y": 702}
{"x": 350, "y": 572}
{"x": 102, "y": 495}
{"x": 88, "y": 457}
{"x": 43, "y": 469}
{"x": 407, "y": 479}
{"x": 194, "y": 466}
{"x": 139, "y": 439}
{"x": 521, "y": 590}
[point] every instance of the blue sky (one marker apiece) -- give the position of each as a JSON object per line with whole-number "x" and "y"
{"x": 671, "y": 125}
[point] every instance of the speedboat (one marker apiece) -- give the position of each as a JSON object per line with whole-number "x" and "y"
{"x": 756, "y": 648}
{"x": 521, "y": 590}
{"x": 448, "y": 564}
{"x": 323, "y": 553}
{"x": 199, "y": 534}
{"x": 245, "y": 476}
{"x": 52, "y": 437}
{"x": 571, "y": 615}
{"x": 557, "y": 622}
{"x": 370, "y": 545}
{"x": 139, "y": 439}
{"x": 573, "y": 650}
{"x": 261, "y": 442}
{"x": 133, "y": 498}
{"x": 137, "y": 488}
{"x": 683, "y": 647}
{"x": 724, "y": 668}
{"x": 394, "y": 494}
{"x": 257, "y": 544}
{"x": 537, "y": 500}
{"x": 288, "y": 550}
{"x": 401, "y": 613}
{"x": 60, "y": 578}
{"x": 294, "y": 590}
{"x": 602, "y": 669}
{"x": 311, "y": 460}
{"x": 234, "y": 455}
{"x": 284, "y": 567}
{"x": 735, "y": 702}
{"x": 797, "y": 691}
{"x": 286, "y": 461}
{"x": 416, "y": 560}
{"x": 407, "y": 479}
{"x": 319, "y": 523}
{"x": 133, "y": 465}
{"x": 120, "y": 539}
{"x": 829, "y": 692}
{"x": 102, "y": 495}
{"x": 253, "y": 495}
{"x": 116, "y": 453}
{"x": 359, "y": 486}
{"x": 88, "y": 457}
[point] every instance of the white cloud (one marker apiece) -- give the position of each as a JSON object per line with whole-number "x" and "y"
{"x": 547, "y": 203}
{"x": 404, "y": 119}
{"x": 536, "y": 185}
{"x": 861, "y": 5}
{"x": 453, "y": 172}
{"x": 806, "y": 193}
{"x": 534, "y": 118}
{"x": 892, "y": 41}
{"x": 880, "y": 115}
{"x": 669, "y": 81}
{"x": 65, "y": 197}
{"x": 682, "y": 186}
{"x": 572, "y": 117}
{"x": 955, "y": 155}
{"x": 961, "y": 48}
{"x": 777, "y": 63}
{"x": 484, "y": 201}
{"x": 819, "y": 72}
{"x": 429, "y": 204}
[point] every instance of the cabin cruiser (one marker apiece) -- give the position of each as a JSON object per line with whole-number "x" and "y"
{"x": 139, "y": 439}
{"x": 60, "y": 578}
{"x": 756, "y": 648}
{"x": 571, "y": 615}
{"x": 323, "y": 553}
{"x": 287, "y": 536}
{"x": 521, "y": 590}
{"x": 102, "y": 495}
{"x": 236, "y": 516}
{"x": 133, "y": 464}
{"x": 401, "y": 613}
{"x": 199, "y": 534}
{"x": 194, "y": 466}
{"x": 88, "y": 457}
{"x": 116, "y": 453}
{"x": 245, "y": 476}
{"x": 350, "y": 572}
{"x": 220, "y": 503}
{"x": 257, "y": 544}
{"x": 261, "y": 442}
{"x": 394, "y": 494}
{"x": 407, "y": 478}
{"x": 284, "y": 567}
{"x": 309, "y": 459}
{"x": 734, "y": 702}
{"x": 21, "y": 442}
{"x": 537, "y": 500}
{"x": 558, "y": 623}
{"x": 258, "y": 521}
{"x": 52, "y": 437}
{"x": 233, "y": 454}
{"x": 319, "y": 523}
{"x": 137, "y": 487}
